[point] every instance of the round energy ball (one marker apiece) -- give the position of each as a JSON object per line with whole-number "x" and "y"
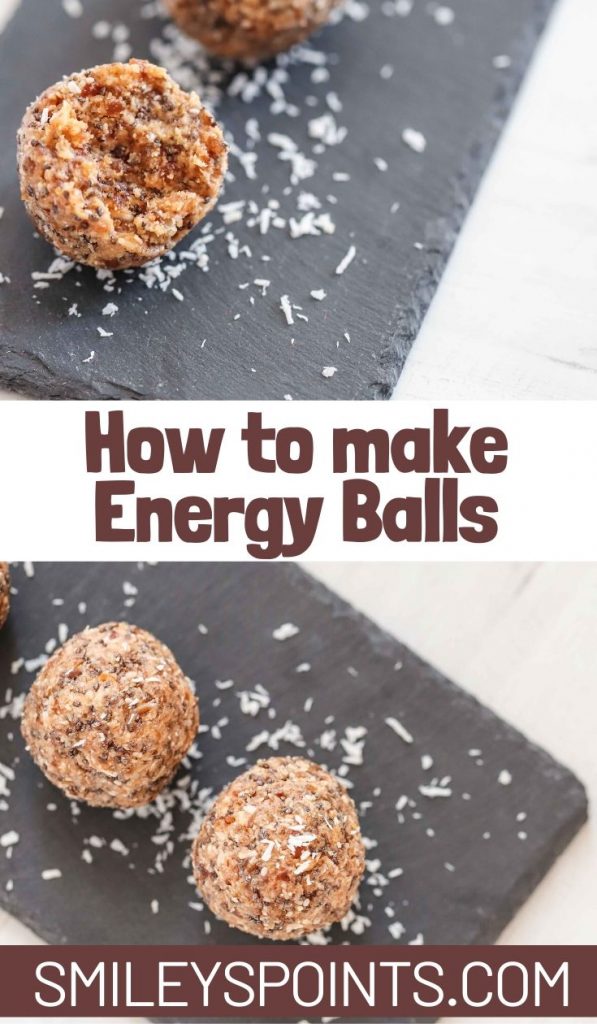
{"x": 4, "y": 592}
{"x": 250, "y": 29}
{"x": 117, "y": 164}
{"x": 280, "y": 853}
{"x": 110, "y": 717}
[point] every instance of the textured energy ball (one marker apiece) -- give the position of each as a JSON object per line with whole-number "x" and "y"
{"x": 110, "y": 717}
{"x": 280, "y": 853}
{"x": 4, "y": 592}
{"x": 117, "y": 164}
{"x": 250, "y": 29}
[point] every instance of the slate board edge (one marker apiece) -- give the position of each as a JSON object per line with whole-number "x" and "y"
{"x": 385, "y": 644}
{"x": 379, "y": 639}
{"x": 406, "y": 323}
{"x": 56, "y": 388}
{"x": 403, "y": 332}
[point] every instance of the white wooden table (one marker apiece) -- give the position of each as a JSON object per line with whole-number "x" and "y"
{"x": 523, "y": 639}
{"x": 516, "y": 313}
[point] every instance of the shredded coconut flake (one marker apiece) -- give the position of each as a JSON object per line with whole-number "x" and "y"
{"x": 399, "y": 729}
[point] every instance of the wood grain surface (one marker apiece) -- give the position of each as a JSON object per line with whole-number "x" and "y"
{"x": 515, "y": 313}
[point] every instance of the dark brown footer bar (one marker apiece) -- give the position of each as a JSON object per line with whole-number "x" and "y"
{"x": 276, "y": 983}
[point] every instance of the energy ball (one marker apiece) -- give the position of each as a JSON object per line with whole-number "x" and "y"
{"x": 4, "y": 592}
{"x": 117, "y": 164}
{"x": 110, "y": 717}
{"x": 250, "y": 29}
{"x": 280, "y": 853}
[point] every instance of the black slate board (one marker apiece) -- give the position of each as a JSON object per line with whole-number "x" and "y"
{"x": 444, "y": 84}
{"x": 358, "y": 674}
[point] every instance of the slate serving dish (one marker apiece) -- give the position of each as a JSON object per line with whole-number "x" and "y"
{"x": 468, "y": 859}
{"x": 450, "y": 77}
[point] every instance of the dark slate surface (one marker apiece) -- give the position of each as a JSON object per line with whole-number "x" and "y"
{"x": 444, "y": 84}
{"x": 359, "y": 675}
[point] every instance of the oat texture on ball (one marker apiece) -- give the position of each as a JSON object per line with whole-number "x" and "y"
{"x": 280, "y": 853}
{"x": 110, "y": 717}
{"x": 4, "y": 592}
{"x": 250, "y": 29}
{"x": 117, "y": 164}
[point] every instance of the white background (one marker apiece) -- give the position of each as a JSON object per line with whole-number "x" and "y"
{"x": 523, "y": 639}
{"x": 516, "y": 313}
{"x": 547, "y": 496}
